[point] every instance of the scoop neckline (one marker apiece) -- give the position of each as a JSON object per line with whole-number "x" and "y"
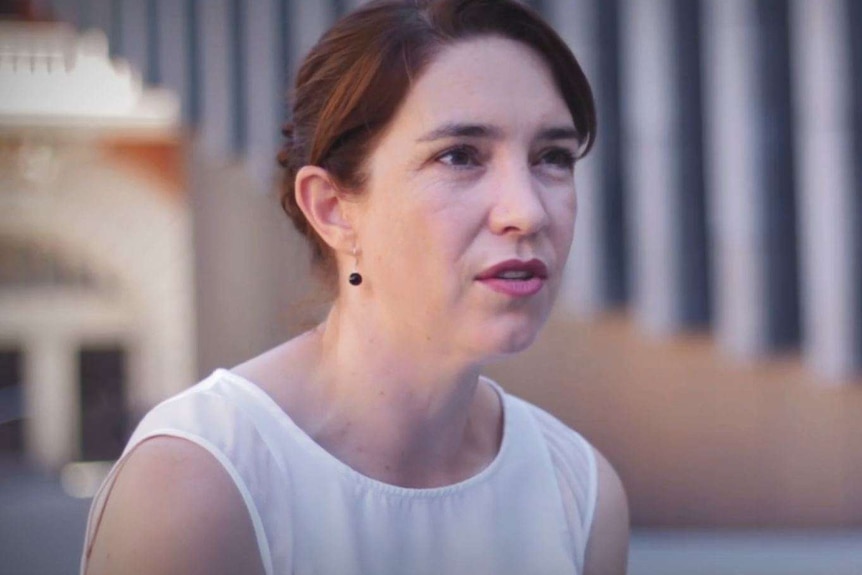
{"x": 280, "y": 415}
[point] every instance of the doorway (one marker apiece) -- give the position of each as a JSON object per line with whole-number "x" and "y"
{"x": 11, "y": 404}
{"x": 102, "y": 373}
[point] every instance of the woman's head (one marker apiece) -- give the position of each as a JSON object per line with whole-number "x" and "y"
{"x": 354, "y": 80}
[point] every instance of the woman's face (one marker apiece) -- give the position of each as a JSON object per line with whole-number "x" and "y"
{"x": 469, "y": 208}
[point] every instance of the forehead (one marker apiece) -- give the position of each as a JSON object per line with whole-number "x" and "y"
{"x": 488, "y": 80}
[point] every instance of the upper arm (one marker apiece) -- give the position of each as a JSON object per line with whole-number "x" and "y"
{"x": 607, "y": 546}
{"x": 174, "y": 509}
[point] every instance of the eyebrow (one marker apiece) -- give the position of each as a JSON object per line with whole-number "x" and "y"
{"x": 456, "y": 130}
{"x": 559, "y": 133}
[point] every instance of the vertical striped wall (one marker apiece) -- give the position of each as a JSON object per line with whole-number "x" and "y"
{"x": 611, "y": 188}
{"x": 774, "y": 144}
{"x": 853, "y": 23}
{"x": 735, "y": 174}
{"x": 651, "y": 146}
{"x": 725, "y": 189}
{"x": 695, "y": 305}
{"x": 585, "y": 270}
{"x": 826, "y": 166}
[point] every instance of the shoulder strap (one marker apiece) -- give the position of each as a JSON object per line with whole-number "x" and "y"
{"x": 574, "y": 463}
{"x": 206, "y": 416}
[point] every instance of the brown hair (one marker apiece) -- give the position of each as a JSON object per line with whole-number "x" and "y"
{"x": 353, "y": 81}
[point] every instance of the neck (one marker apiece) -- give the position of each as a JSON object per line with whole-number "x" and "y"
{"x": 394, "y": 409}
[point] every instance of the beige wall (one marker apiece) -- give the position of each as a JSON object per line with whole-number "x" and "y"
{"x": 700, "y": 440}
{"x": 103, "y": 210}
{"x": 251, "y": 267}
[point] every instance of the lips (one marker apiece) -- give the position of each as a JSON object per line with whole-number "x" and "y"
{"x": 515, "y": 278}
{"x": 516, "y": 270}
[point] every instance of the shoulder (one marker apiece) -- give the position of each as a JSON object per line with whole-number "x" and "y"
{"x": 607, "y": 549}
{"x": 575, "y": 466}
{"x": 571, "y": 454}
{"x": 593, "y": 491}
{"x": 174, "y": 509}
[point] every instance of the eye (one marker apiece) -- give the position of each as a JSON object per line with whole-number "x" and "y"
{"x": 559, "y": 158}
{"x": 461, "y": 156}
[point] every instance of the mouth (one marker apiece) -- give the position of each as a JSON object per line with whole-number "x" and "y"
{"x": 515, "y": 277}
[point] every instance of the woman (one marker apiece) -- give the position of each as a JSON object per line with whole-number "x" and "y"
{"x": 431, "y": 166}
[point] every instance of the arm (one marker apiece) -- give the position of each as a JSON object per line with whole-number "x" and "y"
{"x": 607, "y": 547}
{"x": 174, "y": 509}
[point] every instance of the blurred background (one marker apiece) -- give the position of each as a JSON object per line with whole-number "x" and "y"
{"x": 708, "y": 339}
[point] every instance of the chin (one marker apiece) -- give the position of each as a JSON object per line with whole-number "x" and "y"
{"x": 501, "y": 343}
{"x": 500, "y": 335}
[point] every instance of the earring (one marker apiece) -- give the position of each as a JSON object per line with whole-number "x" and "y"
{"x": 355, "y": 278}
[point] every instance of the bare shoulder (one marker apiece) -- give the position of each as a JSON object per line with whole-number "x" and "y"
{"x": 607, "y": 547}
{"x": 607, "y": 544}
{"x": 174, "y": 509}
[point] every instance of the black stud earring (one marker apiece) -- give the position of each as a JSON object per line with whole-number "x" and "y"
{"x": 355, "y": 278}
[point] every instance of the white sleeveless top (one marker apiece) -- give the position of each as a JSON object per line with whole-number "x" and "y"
{"x": 529, "y": 511}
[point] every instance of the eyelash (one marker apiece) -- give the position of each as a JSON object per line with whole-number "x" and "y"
{"x": 471, "y": 153}
{"x": 557, "y": 157}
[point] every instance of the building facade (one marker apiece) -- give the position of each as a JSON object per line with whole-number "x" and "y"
{"x": 720, "y": 224}
{"x": 96, "y": 302}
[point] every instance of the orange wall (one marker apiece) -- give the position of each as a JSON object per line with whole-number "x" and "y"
{"x": 163, "y": 159}
{"x": 699, "y": 439}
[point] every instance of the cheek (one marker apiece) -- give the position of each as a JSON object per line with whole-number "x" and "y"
{"x": 563, "y": 209}
{"x": 442, "y": 238}
{"x": 413, "y": 243}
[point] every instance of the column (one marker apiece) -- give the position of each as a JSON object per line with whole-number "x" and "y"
{"x": 214, "y": 131}
{"x": 309, "y": 21}
{"x": 733, "y": 176}
{"x": 751, "y": 175}
{"x": 663, "y": 137}
{"x": 266, "y": 99}
{"x": 132, "y": 17}
{"x": 171, "y": 49}
{"x": 824, "y": 141}
{"x": 778, "y": 178}
{"x": 237, "y": 35}
{"x": 116, "y": 41}
{"x": 193, "y": 97}
{"x": 51, "y": 401}
{"x": 651, "y": 144}
{"x": 583, "y": 288}
{"x": 693, "y": 239}
{"x": 854, "y": 12}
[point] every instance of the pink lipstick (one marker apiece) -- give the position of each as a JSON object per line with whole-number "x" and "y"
{"x": 515, "y": 278}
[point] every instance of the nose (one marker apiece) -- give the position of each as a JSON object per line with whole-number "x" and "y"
{"x": 517, "y": 206}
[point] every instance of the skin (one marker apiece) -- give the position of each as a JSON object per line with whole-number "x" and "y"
{"x": 463, "y": 179}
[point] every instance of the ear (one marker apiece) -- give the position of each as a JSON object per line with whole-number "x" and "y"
{"x": 324, "y": 207}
